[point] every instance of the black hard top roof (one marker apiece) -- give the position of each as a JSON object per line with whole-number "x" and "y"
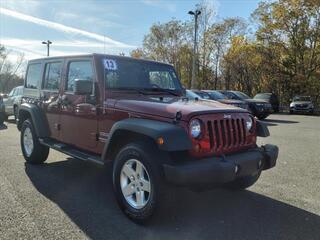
{"x": 97, "y": 55}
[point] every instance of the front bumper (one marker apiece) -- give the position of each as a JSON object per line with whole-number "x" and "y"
{"x": 220, "y": 170}
{"x": 302, "y": 110}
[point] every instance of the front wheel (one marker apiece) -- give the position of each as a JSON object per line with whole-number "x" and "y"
{"x": 137, "y": 181}
{"x": 33, "y": 151}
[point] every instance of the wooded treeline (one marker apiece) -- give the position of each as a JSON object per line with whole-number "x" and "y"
{"x": 277, "y": 50}
{"x": 9, "y": 77}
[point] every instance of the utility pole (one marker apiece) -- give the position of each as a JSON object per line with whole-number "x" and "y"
{"x": 195, "y": 14}
{"x": 48, "y": 42}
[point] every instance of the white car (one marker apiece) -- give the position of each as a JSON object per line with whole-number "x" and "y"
{"x": 12, "y": 102}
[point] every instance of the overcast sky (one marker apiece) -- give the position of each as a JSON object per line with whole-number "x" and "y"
{"x": 87, "y": 26}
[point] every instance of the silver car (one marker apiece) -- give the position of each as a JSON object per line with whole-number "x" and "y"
{"x": 12, "y": 102}
{"x": 301, "y": 104}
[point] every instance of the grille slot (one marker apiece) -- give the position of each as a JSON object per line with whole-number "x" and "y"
{"x": 226, "y": 133}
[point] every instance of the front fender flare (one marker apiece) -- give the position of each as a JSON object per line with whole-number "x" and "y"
{"x": 175, "y": 137}
{"x": 262, "y": 129}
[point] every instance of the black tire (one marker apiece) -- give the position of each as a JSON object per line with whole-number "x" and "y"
{"x": 147, "y": 154}
{"x": 15, "y": 113}
{"x": 2, "y": 118}
{"x": 244, "y": 182}
{"x": 39, "y": 153}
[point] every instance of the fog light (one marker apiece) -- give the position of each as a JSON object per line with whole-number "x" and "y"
{"x": 236, "y": 169}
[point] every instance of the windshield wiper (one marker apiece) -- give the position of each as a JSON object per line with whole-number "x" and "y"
{"x": 158, "y": 89}
{"x": 129, "y": 89}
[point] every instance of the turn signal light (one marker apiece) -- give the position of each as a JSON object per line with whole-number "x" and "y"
{"x": 160, "y": 141}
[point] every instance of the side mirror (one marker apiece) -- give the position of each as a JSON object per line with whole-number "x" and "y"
{"x": 82, "y": 87}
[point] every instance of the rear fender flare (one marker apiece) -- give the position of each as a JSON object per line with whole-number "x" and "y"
{"x": 37, "y": 116}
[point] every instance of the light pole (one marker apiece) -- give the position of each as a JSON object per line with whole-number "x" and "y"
{"x": 48, "y": 42}
{"x": 195, "y": 14}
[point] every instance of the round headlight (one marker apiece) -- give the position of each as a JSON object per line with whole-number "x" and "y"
{"x": 195, "y": 128}
{"x": 249, "y": 124}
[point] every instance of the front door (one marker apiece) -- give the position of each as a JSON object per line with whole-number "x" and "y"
{"x": 50, "y": 95}
{"x": 78, "y": 114}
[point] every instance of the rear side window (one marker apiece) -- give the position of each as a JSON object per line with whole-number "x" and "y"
{"x": 33, "y": 75}
{"x": 81, "y": 70}
{"x": 52, "y": 76}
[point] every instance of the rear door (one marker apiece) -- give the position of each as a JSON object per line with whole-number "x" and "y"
{"x": 78, "y": 113}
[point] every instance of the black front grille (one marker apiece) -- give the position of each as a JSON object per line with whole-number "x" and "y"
{"x": 226, "y": 133}
{"x": 302, "y": 105}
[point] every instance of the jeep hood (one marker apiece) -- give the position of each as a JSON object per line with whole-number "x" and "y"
{"x": 168, "y": 107}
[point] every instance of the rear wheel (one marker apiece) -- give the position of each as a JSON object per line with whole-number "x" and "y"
{"x": 33, "y": 151}
{"x": 244, "y": 182}
{"x": 137, "y": 181}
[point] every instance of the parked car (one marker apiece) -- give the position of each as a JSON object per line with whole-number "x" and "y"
{"x": 2, "y": 110}
{"x": 192, "y": 96}
{"x": 301, "y": 104}
{"x": 133, "y": 114}
{"x": 215, "y": 96}
{"x": 259, "y": 108}
{"x": 12, "y": 102}
{"x": 202, "y": 94}
{"x": 269, "y": 98}
{"x": 218, "y": 96}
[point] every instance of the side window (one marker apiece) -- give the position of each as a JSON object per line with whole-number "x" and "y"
{"x": 33, "y": 75}
{"x": 52, "y": 76}
{"x": 81, "y": 70}
{"x": 229, "y": 95}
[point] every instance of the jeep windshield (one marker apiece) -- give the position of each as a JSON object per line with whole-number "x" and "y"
{"x": 142, "y": 76}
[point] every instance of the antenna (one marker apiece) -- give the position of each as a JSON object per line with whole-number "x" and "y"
{"x": 104, "y": 44}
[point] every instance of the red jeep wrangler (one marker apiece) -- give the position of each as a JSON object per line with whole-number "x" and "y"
{"x": 134, "y": 114}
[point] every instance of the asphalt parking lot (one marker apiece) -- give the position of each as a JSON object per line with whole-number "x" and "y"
{"x": 69, "y": 199}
